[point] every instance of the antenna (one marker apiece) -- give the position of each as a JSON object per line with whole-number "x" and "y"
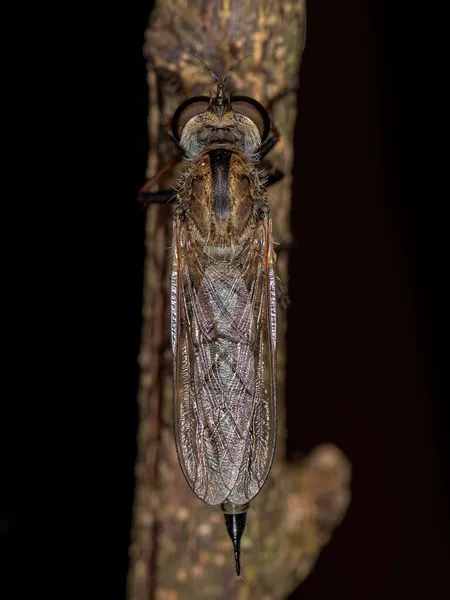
{"x": 216, "y": 79}
{"x": 236, "y": 65}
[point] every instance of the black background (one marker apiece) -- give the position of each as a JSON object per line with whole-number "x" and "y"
{"x": 365, "y": 365}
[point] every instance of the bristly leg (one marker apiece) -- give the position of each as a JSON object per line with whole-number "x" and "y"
{"x": 146, "y": 197}
{"x": 273, "y": 177}
{"x": 162, "y": 197}
{"x": 268, "y": 145}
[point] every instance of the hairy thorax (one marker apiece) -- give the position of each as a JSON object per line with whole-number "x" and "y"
{"x": 221, "y": 200}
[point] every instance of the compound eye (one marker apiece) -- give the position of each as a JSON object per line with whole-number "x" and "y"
{"x": 186, "y": 111}
{"x": 254, "y": 111}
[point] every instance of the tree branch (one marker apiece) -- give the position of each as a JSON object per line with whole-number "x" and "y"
{"x": 180, "y": 548}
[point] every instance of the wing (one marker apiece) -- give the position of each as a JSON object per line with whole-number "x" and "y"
{"x": 223, "y": 332}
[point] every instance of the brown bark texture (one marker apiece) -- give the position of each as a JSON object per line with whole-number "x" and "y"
{"x": 180, "y": 548}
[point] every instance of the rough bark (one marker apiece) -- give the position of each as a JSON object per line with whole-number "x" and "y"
{"x": 180, "y": 548}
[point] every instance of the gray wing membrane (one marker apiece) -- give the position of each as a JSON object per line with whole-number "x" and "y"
{"x": 223, "y": 321}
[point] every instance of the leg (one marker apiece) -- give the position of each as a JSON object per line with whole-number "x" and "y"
{"x": 267, "y": 146}
{"x": 270, "y": 143}
{"x": 274, "y": 177}
{"x": 167, "y": 129}
{"x": 147, "y": 197}
{"x": 150, "y": 182}
{"x": 162, "y": 197}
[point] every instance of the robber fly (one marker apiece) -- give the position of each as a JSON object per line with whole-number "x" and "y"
{"x": 223, "y": 303}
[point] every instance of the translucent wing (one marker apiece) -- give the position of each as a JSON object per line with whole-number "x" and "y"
{"x": 223, "y": 333}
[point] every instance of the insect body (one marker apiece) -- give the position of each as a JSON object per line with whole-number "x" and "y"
{"x": 223, "y": 306}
